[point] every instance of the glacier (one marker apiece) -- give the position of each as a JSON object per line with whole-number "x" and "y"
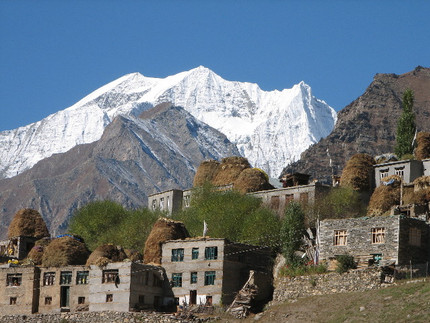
{"x": 270, "y": 128}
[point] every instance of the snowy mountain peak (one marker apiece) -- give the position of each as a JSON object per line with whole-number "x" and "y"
{"x": 270, "y": 128}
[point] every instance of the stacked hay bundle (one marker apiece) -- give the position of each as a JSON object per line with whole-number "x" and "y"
{"x": 358, "y": 173}
{"x": 229, "y": 170}
{"x": 234, "y": 171}
{"x": 133, "y": 254}
{"x": 29, "y": 223}
{"x": 163, "y": 230}
{"x": 206, "y": 172}
{"x": 105, "y": 254}
{"x": 36, "y": 253}
{"x": 423, "y": 146}
{"x": 64, "y": 251}
{"x": 420, "y": 193}
{"x": 385, "y": 196}
{"x": 252, "y": 180}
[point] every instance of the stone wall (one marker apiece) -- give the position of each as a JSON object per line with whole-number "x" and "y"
{"x": 331, "y": 283}
{"x": 122, "y": 317}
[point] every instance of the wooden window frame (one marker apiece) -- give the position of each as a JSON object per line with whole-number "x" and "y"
{"x": 340, "y": 238}
{"x": 378, "y": 235}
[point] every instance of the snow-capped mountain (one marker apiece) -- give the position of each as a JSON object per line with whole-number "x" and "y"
{"x": 271, "y": 129}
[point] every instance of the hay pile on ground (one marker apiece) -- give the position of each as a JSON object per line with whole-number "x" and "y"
{"x": 252, "y": 180}
{"x": 163, "y": 230}
{"x": 105, "y": 254}
{"x": 65, "y": 251}
{"x": 358, "y": 172}
{"x": 229, "y": 170}
{"x": 29, "y": 223}
{"x": 206, "y": 172}
{"x": 36, "y": 253}
{"x": 385, "y": 197}
{"x": 423, "y": 146}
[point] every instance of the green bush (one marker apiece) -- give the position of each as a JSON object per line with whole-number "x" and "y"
{"x": 292, "y": 232}
{"x": 345, "y": 263}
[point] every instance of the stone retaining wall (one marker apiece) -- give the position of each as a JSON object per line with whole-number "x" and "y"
{"x": 90, "y": 317}
{"x": 331, "y": 283}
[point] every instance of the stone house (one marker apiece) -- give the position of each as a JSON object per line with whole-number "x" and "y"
{"x": 408, "y": 170}
{"x": 16, "y": 247}
{"x": 170, "y": 201}
{"x": 212, "y": 270}
{"x": 20, "y": 290}
{"x": 389, "y": 239}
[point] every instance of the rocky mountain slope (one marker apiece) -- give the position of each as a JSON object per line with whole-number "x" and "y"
{"x": 271, "y": 129}
{"x": 368, "y": 124}
{"x": 135, "y": 156}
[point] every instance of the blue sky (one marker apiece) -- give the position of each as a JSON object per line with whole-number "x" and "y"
{"x": 53, "y": 53}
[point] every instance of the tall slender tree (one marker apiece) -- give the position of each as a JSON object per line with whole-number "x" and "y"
{"x": 406, "y": 126}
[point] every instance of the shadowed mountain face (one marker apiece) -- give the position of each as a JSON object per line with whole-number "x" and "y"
{"x": 135, "y": 157}
{"x": 368, "y": 125}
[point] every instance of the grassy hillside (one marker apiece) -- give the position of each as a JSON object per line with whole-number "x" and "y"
{"x": 409, "y": 301}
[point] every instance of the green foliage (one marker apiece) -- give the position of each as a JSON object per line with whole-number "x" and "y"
{"x": 338, "y": 203}
{"x": 302, "y": 270}
{"x": 345, "y": 262}
{"x": 406, "y": 126}
{"x": 104, "y": 222}
{"x": 292, "y": 231}
{"x": 231, "y": 215}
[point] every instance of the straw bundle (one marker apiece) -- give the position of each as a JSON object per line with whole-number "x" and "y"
{"x": 357, "y": 173}
{"x": 252, "y": 180}
{"x": 423, "y": 146}
{"x": 385, "y": 197}
{"x": 107, "y": 252}
{"x": 29, "y": 223}
{"x": 65, "y": 251}
{"x": 205, "y": 172}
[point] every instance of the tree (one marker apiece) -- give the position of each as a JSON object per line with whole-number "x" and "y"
{"x": 104, "y": 222}
{"x": 230, "y": 215}
{"x": 406, "y": 126}
{"x": 292, "y": 231}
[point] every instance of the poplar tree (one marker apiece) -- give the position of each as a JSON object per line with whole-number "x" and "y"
{"x": 406, "y": 126}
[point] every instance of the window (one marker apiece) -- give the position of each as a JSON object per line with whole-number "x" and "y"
{"x": 66, "y": 278}
{"x": 176, "y": 280}
{"x": 48, "y": 279}
{"x": 289, "y": 198}
{"x": 209, "y": 277}
{"x": 211, "y": 253}
{"x": 193, "y": 278}
{"x": 400, "y": 172}
{"x": 109, "y": 298}
{"x": 48, "y": 300}
{"x": 304, "y": 198}
{"x": 110, "y": 276}
{"x": 12, "y": 301}
{"x": 154, "y": 204}
{"x": 168, "y": 202}
{"x": 187, "y": 201}
{"x": 195, "y": 253}
{"x": 378, "y": 235}
{"x": 141, "y": 299}
{"x": 340, "y": 238}
{"x": 274, "y": 202}
{"x": 415, "y": 237}
{"x": 82, "y": 278}
{"x": 13, "y": 279}
{"x": 81, "y": 300}
{"x": 161, "y": 203}
{"x": 383, "y": 173}
{"x": 178, "y": 254}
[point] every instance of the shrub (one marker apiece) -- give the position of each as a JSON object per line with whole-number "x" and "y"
{"x": 345, "y": 262}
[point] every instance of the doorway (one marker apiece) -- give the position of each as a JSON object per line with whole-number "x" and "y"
{"x": 193, "y": 297}
{"x": 65, "y": 296}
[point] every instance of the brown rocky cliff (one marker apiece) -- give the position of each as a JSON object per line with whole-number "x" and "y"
{"x": 368, "y": 124}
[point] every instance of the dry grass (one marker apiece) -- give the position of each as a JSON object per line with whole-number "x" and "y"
{"x": 133, "y": 255}
{"x": 423, "y": 146}
{"x": 36, "y": 253}
{"x": 252, "y": 180}
{"x": 385, "y": 197}
{"x": 107, "y": 252}
{"x": 358, "y": 172}
{"x": 206, "y": 172}
{"x": 65, "y": 251}
{"x": 229, "y": 170}
{"x": 29, "y": 223}
{"x": 163, "y": 230}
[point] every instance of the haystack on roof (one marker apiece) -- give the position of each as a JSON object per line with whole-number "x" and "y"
{"x": 163, "y": 230}
{"x": 357, "y": 173}
{"x": 229, "y": 170}
{"x": 109, "y": 252}
{"x": 206, "y": 172}
{"x": 65, "y": 251}
{"x": 252, "y": 180}
{"x": 385, "y": 196}
{"x": 423, "y": 146}
{"x": 419, "y": 193}
{"x": 29, "y": 223}
{"x": 36, "y": 253}
{"x": 133, "y": 255}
